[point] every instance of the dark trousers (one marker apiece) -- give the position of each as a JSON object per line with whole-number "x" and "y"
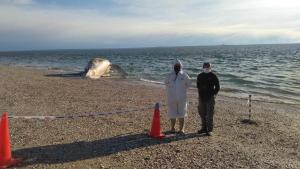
{"x": 206, "y": 112}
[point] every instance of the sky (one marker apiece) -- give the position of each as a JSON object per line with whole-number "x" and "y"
{"x": 93, "y": 24}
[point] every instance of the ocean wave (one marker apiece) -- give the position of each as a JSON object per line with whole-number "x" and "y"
{"x": 255, "y": 69}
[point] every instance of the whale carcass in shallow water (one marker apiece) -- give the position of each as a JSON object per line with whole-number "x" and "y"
{"x": 99, "y": 67}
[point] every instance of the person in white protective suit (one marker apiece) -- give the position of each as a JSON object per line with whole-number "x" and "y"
{"x": 177, "y": 83}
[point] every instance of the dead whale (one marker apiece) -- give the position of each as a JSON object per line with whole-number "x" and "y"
{"x": 99, "y": 67}
{"x": 95, "y": 69}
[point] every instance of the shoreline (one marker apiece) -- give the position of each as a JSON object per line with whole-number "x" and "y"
{"x": 159, "y": 84}
{"x": 119, "y": 140}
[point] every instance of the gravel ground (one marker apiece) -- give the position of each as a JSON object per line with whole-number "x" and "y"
{"x": 119, "y": 140}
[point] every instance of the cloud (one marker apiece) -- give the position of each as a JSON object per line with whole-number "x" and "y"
{"x": 151, "y": 23}
{"x": 17, "y": 2}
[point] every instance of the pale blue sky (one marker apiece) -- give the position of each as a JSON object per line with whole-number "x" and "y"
{"x": 78, "y": 24}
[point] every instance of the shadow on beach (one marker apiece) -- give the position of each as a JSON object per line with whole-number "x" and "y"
{"x": 82, "y": 75}
{"x": 62, "y": 153}
{"x": 79, "y": 74}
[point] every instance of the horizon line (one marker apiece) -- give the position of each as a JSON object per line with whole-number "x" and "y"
{"x": 145, "y": 47}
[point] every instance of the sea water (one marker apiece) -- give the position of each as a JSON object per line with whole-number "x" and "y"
{"x": 268, "y": 72}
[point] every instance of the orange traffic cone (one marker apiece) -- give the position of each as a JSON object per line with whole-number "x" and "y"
{"x": 6, "y": 159}
{"x": 155, "y": 129}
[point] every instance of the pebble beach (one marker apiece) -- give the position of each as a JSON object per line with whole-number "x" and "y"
{"x": 118, "y": 137}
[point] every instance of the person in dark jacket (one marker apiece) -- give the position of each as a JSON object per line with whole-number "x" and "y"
{"x": 208, "y": 87}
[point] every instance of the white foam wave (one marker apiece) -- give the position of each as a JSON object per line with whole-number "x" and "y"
{"x": 151, "y": 81}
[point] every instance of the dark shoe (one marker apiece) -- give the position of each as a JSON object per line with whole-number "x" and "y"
{"x": 209, "y": 133}
{"x": 201, "y": 131}
{"x": 181, "y": 133}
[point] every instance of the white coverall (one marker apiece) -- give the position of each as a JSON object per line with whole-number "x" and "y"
{"x": 177, "y": 86}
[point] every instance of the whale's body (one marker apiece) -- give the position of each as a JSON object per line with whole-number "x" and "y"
{"x": 98, "y": 67}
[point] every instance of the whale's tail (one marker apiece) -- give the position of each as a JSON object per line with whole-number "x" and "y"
{"x": 117, "y": 71}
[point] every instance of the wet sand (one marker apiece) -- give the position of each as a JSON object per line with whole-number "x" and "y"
{"x": 119, "y": 140}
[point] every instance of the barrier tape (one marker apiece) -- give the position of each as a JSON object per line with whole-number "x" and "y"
{"x": 93, "y": 114}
